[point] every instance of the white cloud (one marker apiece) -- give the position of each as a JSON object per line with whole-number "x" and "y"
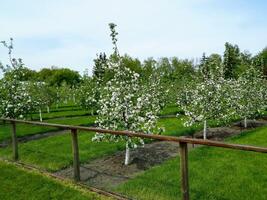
{"x": 146, "y": 28}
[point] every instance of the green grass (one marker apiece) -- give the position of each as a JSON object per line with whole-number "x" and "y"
{"x": 215, "y": 173}
{"x": 24, "y": 129}
{"x": 21, "y": 184}
{"x": 54, "y": 153}
{"x": 170, "y": 110}
{"x": 68, "y": 113}
{"x": 174, "y": 126}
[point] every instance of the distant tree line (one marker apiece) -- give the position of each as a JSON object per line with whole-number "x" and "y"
{"x": 53, "y": 76}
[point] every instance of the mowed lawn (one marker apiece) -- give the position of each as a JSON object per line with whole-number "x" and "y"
{"x": 54, "y": 153}
{"x": 20, "y": 184}
{"x": 174, "y": 126}
{"x": 26, "y": 129}
{"x": 215, "y": 173}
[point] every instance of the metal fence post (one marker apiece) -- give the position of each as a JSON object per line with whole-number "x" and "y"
{"x": 75, "y": 153}
{"x": 14, "y": 142}
{"x": 184, "y": 170}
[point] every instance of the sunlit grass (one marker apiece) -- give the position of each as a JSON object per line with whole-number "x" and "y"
{"x": 215, "y": 173}
{"x": 17, "y": 183}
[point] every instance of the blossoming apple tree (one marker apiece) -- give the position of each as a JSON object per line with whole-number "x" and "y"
{"x": 206, "y": 99}
{"x": 41, "y": 96}
{"x": 249, "y": 94}
{"x": 14, "y": 99}
{"x": 88, "y": 94}
{"x": 125, "y": 104}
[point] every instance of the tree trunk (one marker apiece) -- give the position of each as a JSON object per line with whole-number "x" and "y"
{"x": 48, "y": 109}
{"x": 205, "y": 130}
{"x": 40, "y": 115}
{"x": 245, "y": 123}
{"x": 127, "y": 155}
{"x": 92, "y": 112}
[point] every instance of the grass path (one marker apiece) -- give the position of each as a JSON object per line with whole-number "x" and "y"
{"x": 20, "y": 184}
{"x": 26, "y": 129}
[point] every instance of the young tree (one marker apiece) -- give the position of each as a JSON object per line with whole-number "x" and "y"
{"x": 64, "y": 92}
{"x": 14, "y": 97}
{"x": 88, "y": 94}
{"x": 249, "y": 94}
{"x": 206, "y": 99}
{"x": 41, "y": 97}
{"x": 125, "y": 104}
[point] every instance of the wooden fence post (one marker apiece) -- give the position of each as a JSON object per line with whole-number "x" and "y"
{"x": 14, "y": 142}
{"x": 184, "y": 170}
{"x": 75, "y": 153}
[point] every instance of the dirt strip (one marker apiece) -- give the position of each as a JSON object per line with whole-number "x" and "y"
{"x": 110, "y": 171}
{"x": 220, "y": 133}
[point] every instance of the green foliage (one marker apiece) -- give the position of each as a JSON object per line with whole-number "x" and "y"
{"x": 231, "y": 60}
{"x": 148, "y": 68}
{"x": 211, "y": 66}
{"x": 64, "y": 75}
{"x": 88, "y": 93}
{"x": 100, "y": 67}
{"x": 132, "y": 63}
{"x": 260, "y": 61}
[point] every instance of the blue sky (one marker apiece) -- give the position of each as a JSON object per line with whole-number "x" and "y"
{"x": 69, "y": 33}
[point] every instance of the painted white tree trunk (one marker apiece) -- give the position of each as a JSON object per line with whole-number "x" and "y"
{"x": 92, "y": 112}
{"x": 127, "y": 155}
{"x": 48, "y": 109}
{"x": 245, "y": 123}
{"x": 127, "y": 152}
{"x": 205, "y": 130}
{"x": 40, "y": 115}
